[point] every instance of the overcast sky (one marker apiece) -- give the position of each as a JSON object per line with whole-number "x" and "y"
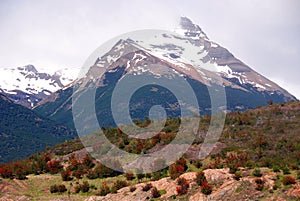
{"x": 58, "y": 34}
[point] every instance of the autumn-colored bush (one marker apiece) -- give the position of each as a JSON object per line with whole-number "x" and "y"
{"x": 85, "y": 187}
{"x": 234, "y": 161}
{"x": 182, "y": 162}
{"x": 77, "y": 174}
{"x": 87, "y": 161}
{"x": 202, "y": 182}
{"x": 62, "y": 188}
{"x": 104, "y": 189}
{"x": 6, "y": 172}
{"x": 259, "y": 184}
{"x": 183, "y": 187}
{"x": 120, "y": 184}
{"x": 175, "y": 170}
{"x": 66, "y": 175}
{"x": 77, "y": 188}
{"x": 206, "y": 188}
{"x": 73, "y": 163}
{"x": 129, "y": 176}
{"x": 147, "y": 187}
{"x": 155, "y": 193}
{"x": 200, "y": 177}
{"x": 20, "y": 174}
{"x": 58, "y": 188}
{"x": 91, "y": 174}
{"x": 54, "y": 166}
{"x": 132, "y": 188}
{"x": 217, "y": 163}
{"x": 288, "y": 180}
{"x": 54, "y": 189}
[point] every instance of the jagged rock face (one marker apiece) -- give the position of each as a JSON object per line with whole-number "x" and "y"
{"x": 191, "y": 30}
{"x": 27, "y": 86}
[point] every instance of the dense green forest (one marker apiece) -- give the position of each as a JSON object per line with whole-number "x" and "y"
{"x": 23, "y": 132}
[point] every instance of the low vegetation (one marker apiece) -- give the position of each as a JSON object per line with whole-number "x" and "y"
{"x": 265, "y": 137}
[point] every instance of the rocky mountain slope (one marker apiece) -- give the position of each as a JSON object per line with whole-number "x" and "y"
{"x": 187, "y": 53}
{"x": 27, "y": 86}
{"x": 227, "y": 188}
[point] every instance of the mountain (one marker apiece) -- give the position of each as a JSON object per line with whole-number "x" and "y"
{"x": 27, "y": 86}
{"x": 184, "y": 55}
{"x": 23, "y": 132}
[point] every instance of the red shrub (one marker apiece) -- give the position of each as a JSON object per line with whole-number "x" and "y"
{"x": 77, "y": 174}
{"x": 183, "y": 187}
{"x": 233, "y": 161}
{"x": 129, "y": 176}
{"x": 200, "y": 178}
{"x": 155, "y": 193}
{"x": 259, "y": 184}
{"x": 147, "y": 187}
{"x": 20, "y": 174}
{"x": 288, "y": 180}
{"x": 6, "y": 172}
{"x": 216, "y": 164}
{"x": 181, "y": 191}
{"x": 104, "y": 190}
{"x": 85, "y": 187}
{"x": 182, "y": 162}
{"x": 66, "y": 175}
{"x": 206, "y": 188}
{"x": 53, "y": 167}
{"x": 88, "y": 161}
{"x": 175, "y": 170}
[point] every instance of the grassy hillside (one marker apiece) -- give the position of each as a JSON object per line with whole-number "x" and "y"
{"x": 259, "y": 149}
{"x": 269, "y": 136}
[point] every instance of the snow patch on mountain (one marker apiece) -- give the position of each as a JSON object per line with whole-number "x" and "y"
{"x": 28, "y": 79}
{"x": 188, "y": 50}
{"x": 26, "y": 85}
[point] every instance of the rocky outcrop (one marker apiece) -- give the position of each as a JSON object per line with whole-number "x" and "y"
{"x": 225, "y": 188}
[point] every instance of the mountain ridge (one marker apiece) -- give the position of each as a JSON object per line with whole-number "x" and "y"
{"x": 27, "y": 86}
{"x": 192, "y": 55}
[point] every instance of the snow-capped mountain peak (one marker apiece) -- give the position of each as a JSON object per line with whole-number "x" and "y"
{"x": 165, "y": 55}
{"x": 189, "y": 52}
{"x": 26, "y": 85}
